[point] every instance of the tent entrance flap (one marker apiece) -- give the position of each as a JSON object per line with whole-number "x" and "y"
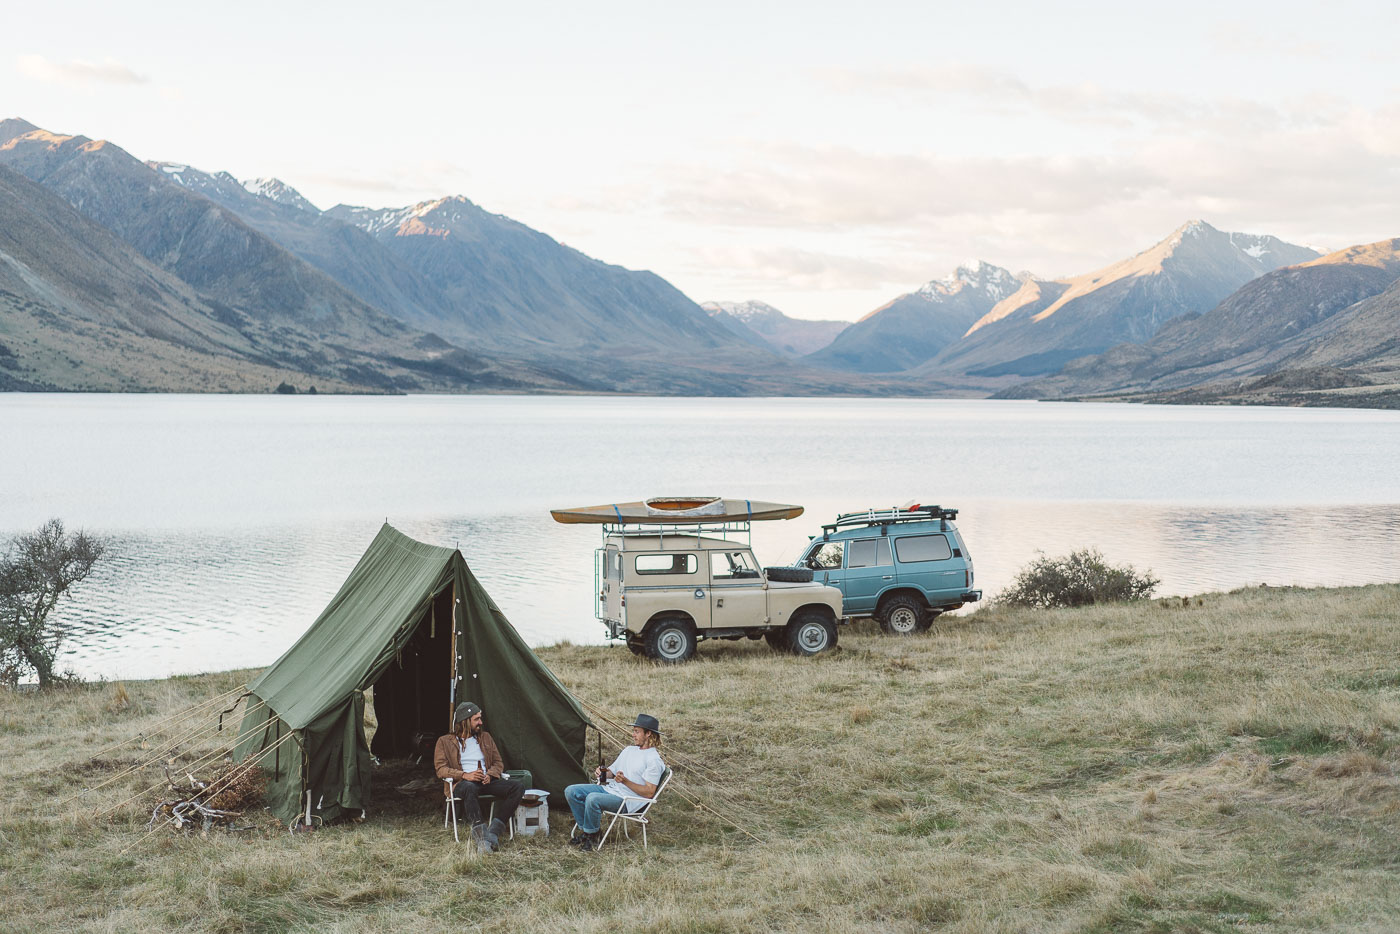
{"x": 412, "y": 698}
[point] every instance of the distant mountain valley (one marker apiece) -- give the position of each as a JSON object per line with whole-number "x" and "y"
{"x": 118, "y": 274}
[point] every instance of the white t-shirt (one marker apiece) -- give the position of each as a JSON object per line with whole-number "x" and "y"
{"x": 640, "y": 766}
{"x": 471, "y": 754}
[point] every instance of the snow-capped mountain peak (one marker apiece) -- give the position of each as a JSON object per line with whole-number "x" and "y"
{"x": 976, "y": 274}
{"x": 274, "y": 189}
{"x": 747, "y": 312}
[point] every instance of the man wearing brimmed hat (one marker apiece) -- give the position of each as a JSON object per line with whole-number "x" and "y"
{"x": 634, "y": 774}
{"x": 469, "y": 757}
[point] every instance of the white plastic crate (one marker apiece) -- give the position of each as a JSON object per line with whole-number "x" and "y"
{"x": 533, "y": 819}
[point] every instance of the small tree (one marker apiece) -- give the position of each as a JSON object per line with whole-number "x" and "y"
{"x": 36, "y": 573}
{"x": 1077, "y": 579}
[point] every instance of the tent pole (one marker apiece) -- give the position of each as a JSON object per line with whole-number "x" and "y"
{"x": 452, "y": 684}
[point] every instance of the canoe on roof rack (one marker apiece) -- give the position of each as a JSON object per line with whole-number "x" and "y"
{"x": 677, "y": 510}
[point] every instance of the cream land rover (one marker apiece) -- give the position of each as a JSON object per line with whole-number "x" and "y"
{"x": 669, "y": 576}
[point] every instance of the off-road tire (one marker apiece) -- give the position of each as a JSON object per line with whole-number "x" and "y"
{"x": 670, "y": 640}
{"x": 903, "y": 615}
{"x": 811, "y": 633}
{"x": 636, "y": 647}
{"x": 789, "y": 575}
{"x": 777, "y": 640}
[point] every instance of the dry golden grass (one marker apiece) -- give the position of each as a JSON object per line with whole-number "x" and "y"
{"x": 1224, "y": 764}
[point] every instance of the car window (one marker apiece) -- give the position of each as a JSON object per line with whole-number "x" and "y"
{"x": 675, "y": 563}
{"x": 869, "y": 553}
{"x": 732, "y": 565}
{"x": 827, "y": 557}
{"x": 923, "y": 548}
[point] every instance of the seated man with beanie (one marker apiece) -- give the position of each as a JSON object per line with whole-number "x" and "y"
{"x": 469, "y": 757}
{"x": 634, "y": 774}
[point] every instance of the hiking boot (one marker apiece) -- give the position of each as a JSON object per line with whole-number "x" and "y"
{"x": 493, "y": 832}
{"x": 483, "y": 843}
{"x": 588, "y": 842}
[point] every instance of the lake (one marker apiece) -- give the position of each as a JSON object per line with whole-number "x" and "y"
{"x": 234, "y": 519}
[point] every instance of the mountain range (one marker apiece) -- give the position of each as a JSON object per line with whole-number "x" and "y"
{"x": 115, "y": 276}
{"x": 119, "y": 274}
{"x": 440, "y": 296}
{"x": 1331, "y": 324}
{"x": 1047, "y": 323}
{"x": 767, "y": 327}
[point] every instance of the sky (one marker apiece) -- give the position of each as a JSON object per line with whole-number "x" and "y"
{"x": 823, "y": 158}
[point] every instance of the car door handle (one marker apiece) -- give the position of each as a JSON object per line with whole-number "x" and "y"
{"x": 887, "y": 577}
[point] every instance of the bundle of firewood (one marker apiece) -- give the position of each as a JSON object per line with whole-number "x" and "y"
{"x": 214, "y": 803}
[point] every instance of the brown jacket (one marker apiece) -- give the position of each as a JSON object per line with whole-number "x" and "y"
{"x": 447, "y": 757}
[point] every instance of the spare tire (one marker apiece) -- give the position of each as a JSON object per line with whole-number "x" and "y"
{"x": 789, "y": 575}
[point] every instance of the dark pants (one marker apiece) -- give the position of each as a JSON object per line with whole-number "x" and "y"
{"x": 506, "y": 792}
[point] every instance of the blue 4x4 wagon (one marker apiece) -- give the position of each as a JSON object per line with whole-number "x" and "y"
{"x": 902, "y": 566}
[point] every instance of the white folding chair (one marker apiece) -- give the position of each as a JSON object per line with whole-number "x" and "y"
{"x": 451, "y": 814}
{"x": 638, "y": 816}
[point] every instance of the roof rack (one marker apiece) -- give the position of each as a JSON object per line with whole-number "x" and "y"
{"x": 887, "y": 517}
{"x": 628, "y": 530}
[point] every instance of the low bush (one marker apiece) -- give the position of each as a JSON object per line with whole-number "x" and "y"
{"x": 1077, "y": 579}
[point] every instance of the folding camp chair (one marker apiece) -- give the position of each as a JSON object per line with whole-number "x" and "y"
{"x": 638, "y": 816}
{"x": 524, "y": 776}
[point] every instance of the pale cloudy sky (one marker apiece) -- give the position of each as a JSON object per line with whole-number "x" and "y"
{"x": 821, "y": 157}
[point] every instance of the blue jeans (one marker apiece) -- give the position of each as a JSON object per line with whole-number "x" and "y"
{"x": 588, "y": 802}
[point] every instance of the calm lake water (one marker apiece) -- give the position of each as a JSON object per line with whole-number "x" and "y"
{"x": 234, "y": 519}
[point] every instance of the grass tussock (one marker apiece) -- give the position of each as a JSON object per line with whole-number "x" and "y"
{"x": 1226, "y": 763}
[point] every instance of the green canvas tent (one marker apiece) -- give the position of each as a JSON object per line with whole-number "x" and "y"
{"x": 414, "y": 624}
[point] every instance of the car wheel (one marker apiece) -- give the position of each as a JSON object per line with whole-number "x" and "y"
{"x": 811, "y": 634}
{"x": 777, "y": 639}
{"x": 636, "y": 647}
{"x": 670, "y": 640}
{"x": 903, "y": 615}
{"x": 789, "y": 575}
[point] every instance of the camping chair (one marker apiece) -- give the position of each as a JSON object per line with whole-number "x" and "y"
{"x": 638, "y": 816}
{"x": 524, "y": 776}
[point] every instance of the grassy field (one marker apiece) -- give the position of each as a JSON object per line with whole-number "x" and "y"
{"x": 1225, "y": 763}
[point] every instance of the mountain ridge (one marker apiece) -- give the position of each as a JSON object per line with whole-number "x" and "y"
{"x": 914, "y": 327}
{"x": 766, "y": 326}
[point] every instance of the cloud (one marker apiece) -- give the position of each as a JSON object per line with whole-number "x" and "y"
{"x": 1329, "y": 180}
{"x": 985, "y": 88}
{"x": 1238, "y": 37}
{"x": 77, "y": 71}
{"x": 801, "y": 269}
{"x": 396, "y": 186}
{"x": 793, "y": 186}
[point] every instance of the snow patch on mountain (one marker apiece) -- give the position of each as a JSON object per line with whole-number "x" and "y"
{"x": 187, "y": 176}
{"x": 375, "y": 221}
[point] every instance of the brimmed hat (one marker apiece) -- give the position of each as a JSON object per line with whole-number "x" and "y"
{"x": 465, "y": 711}
{"x": 648, "y": 723}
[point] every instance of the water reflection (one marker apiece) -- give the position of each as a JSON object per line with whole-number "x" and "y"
{"x": 236, "y": 518}
{"x": 194, "y": 601}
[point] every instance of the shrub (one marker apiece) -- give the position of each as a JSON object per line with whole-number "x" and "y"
{"x": 36, "y": 574}
{"x": 1077, "y": 579}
